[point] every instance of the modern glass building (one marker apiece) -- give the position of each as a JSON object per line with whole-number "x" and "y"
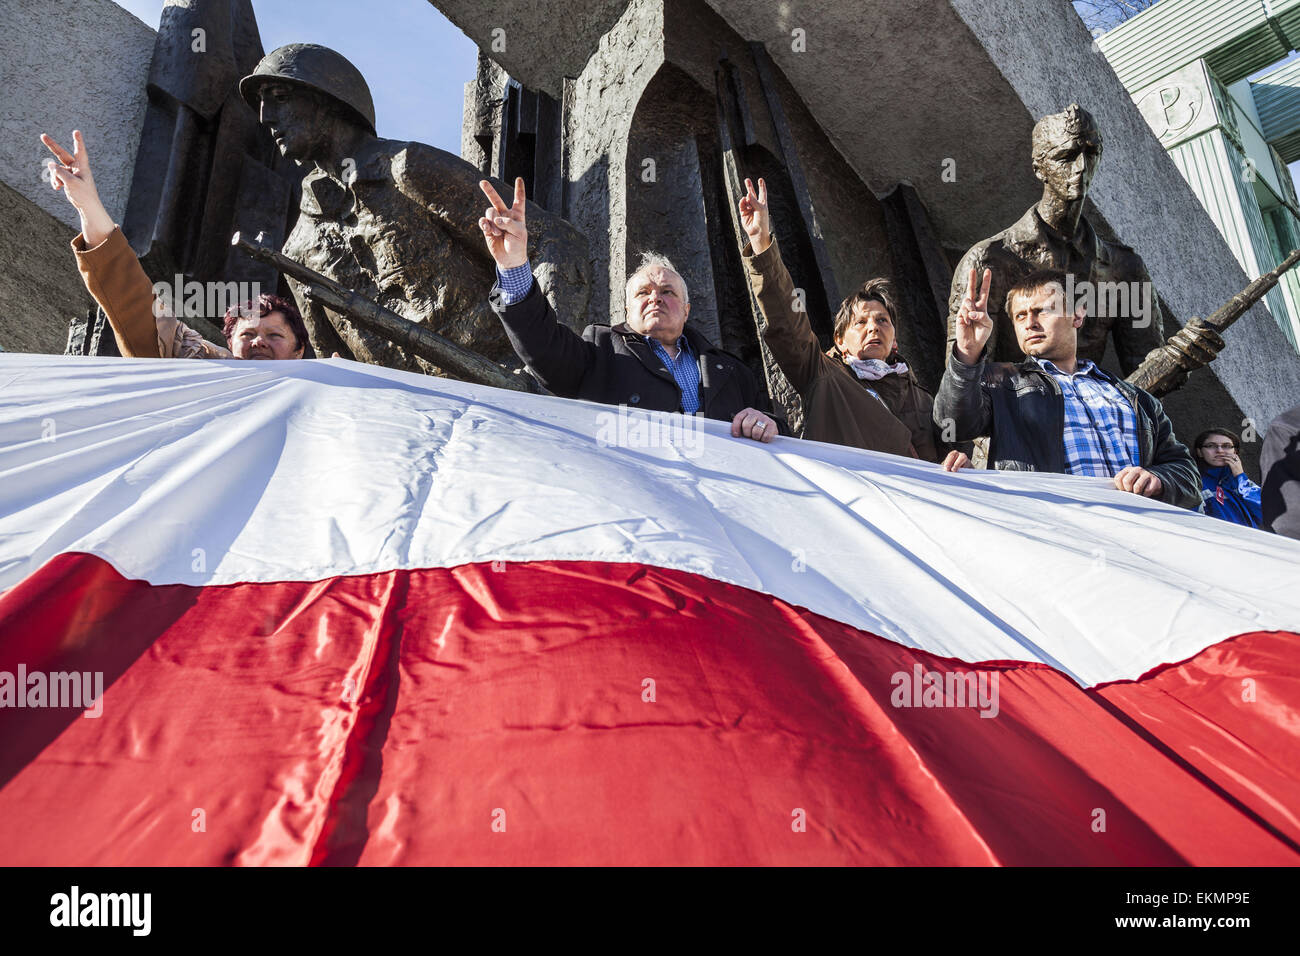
{"x": 1213, "y": 79}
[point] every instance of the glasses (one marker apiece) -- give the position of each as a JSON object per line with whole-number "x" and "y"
{"x": 1228, "y": 447}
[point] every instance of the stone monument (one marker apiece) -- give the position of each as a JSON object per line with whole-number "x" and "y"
{"x": 204, "y": 168}
{"x": 637, "y": 119}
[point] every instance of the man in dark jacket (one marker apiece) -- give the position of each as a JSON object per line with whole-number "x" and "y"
{"x": 651, "y": 361}
{"x": 1052, "y": 412}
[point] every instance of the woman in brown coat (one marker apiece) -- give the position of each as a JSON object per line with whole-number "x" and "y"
{"x": 866, "y": 344}
{"x": 847, "y": 390}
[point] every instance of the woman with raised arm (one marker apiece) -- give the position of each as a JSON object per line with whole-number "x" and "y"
{"x": 860, "y": 392}
{"x": 267, "y": 327}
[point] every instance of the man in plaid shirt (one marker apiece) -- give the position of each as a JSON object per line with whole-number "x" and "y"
{"x": 1052, "y": 412}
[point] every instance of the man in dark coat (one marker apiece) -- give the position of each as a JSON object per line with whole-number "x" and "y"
{"x": 1054, "y": 411}
{"x": 651, "y": 361}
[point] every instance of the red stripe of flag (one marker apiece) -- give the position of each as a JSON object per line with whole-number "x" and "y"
{"x": 480, "y": 716}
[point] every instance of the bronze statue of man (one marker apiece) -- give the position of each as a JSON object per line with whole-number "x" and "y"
{"x": 394, "y": 221}
{"x": 1054, "y": 234}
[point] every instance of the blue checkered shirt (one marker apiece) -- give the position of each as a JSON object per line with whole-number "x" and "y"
{"x": 515, "y": 283}
{"x": 1101, "y": 438}
{"x": 684, "y": 369}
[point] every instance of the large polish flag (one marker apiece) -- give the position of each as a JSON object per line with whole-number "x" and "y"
{"x": 346, "y": 615}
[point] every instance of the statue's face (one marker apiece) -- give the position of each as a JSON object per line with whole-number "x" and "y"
{"x": 294, "y": 118}
{"x": 1068, "y": 166}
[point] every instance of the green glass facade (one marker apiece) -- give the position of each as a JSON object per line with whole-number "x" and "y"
{"x": 1186, "y": 63}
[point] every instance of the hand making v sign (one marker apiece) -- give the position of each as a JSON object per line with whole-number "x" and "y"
{"x": 974, "y": 326}
{"x": 71, "y": 173}
{"x": 754, "y": 216}
{"x": 505, "y": 230}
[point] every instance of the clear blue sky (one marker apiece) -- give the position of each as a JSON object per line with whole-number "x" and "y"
{"x": 416, "y": 61}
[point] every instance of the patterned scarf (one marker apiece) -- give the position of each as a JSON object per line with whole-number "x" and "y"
{"x": 874, "y": 369}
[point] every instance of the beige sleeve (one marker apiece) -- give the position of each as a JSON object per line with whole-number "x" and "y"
{"x": 113, "y": 275}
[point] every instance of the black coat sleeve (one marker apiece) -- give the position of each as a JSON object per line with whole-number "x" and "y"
{"x": 557, "y": 355}
{"x": 1171, "y": 461}
{"x": 1280, "y": 462}
{"x": 757, "y": 398}
{"x": 962, "y": 400}
{"x": 752, "y": 396}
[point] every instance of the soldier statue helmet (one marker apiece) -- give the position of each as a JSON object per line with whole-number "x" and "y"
{"x": 316, "y": 68}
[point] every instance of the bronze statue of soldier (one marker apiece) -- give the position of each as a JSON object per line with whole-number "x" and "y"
{"x": 1054, "y": 234}
{"x": 394, "y": 221}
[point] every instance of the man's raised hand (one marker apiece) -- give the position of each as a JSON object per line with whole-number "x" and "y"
{"x": 505, "y": 230}
{"x": 71, "y": 173}
{"x": 974, "y": 326}
{"x": 754, "y": 216}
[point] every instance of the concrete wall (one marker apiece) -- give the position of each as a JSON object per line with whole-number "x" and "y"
{"x": 82, "y": 65}
{"x": 598, "y": 110}
{"x": 538, "y": 42}
{"x": 40, "y": 289}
